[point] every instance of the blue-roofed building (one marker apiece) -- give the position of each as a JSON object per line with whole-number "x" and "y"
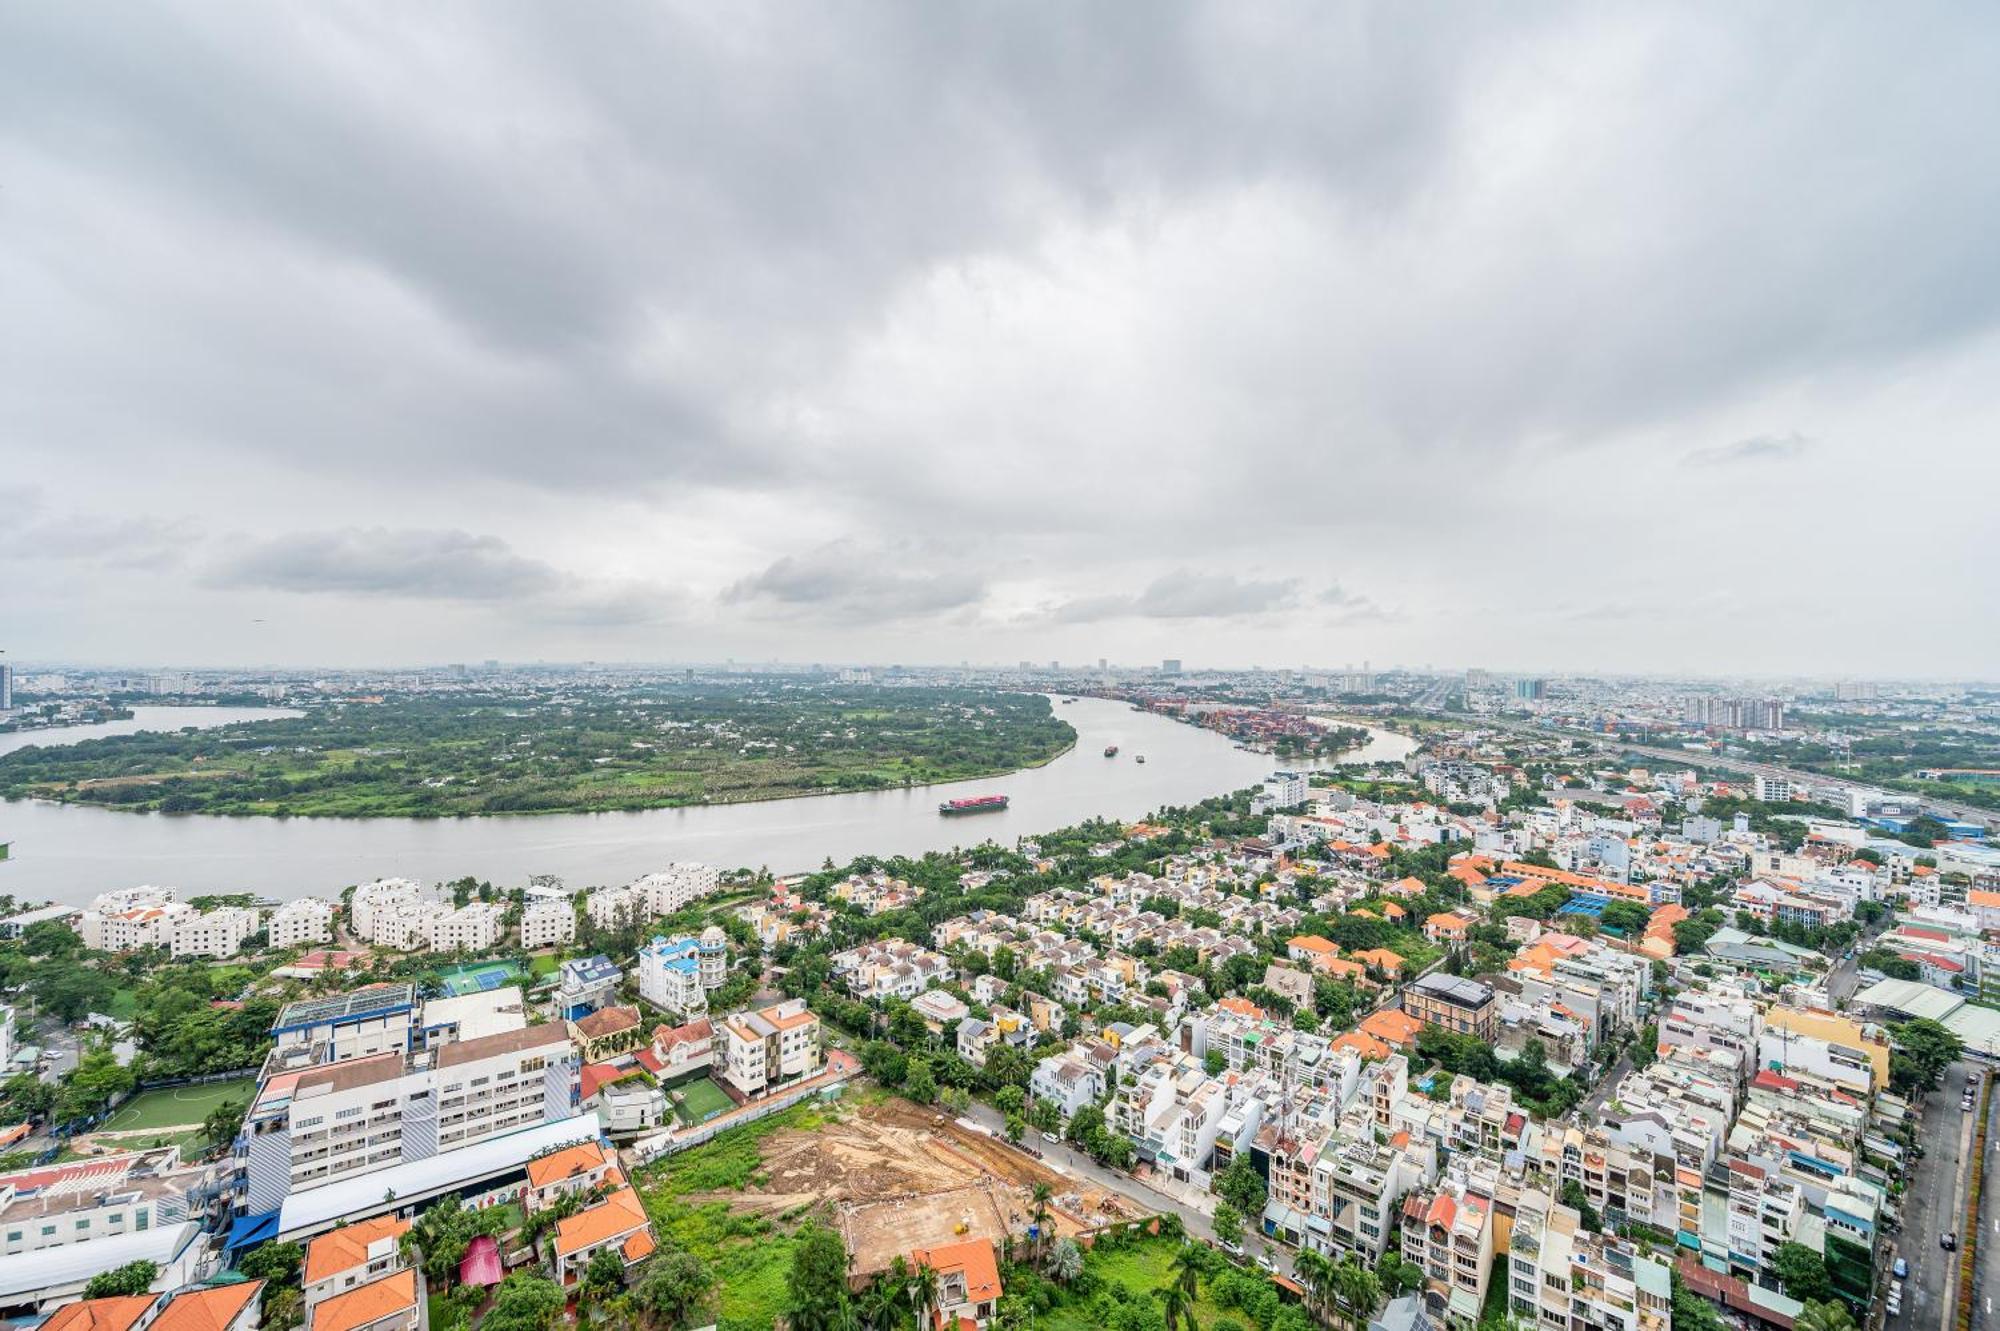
{"x": 586, "y": 984}
{"x": 670, "y": 975}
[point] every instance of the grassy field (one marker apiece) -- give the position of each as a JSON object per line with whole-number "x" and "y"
{"x": 1140, "y": 1267}
{"x": 749, "y": 1254}
{"x": 178, "y": 1106}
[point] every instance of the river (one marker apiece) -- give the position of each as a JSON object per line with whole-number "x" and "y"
{"x": 70, "y": 853}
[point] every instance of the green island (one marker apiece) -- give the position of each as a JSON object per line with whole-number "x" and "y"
{"x": 555, "y": 751}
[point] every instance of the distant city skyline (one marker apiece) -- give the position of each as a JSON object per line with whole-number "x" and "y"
{"x": 1565, "y": 339}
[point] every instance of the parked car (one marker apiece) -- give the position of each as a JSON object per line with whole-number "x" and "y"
{"x": 1901, "y": 1269}
{"x": 1948, "y": 1240}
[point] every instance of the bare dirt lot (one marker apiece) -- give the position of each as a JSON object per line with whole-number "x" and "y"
{"x": 899, "y": 1176}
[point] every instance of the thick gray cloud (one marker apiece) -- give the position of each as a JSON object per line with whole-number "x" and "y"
{"x": 1184, "y": 594}
{"x": 993, "y": 307}
{"x": 447, "y": 566}
{"x": 844, "y": 581}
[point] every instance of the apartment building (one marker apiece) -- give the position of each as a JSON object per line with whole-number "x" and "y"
{"x": 129, "y": 928}
{"x": 215, "y": 933}
{"x": 1453, "y": 1003}
{"x": 298, "y": 923}
{"x": 353, "y": 1255}
{"x": 477, "y": 926}
{"x": 351, "y": 1092}
{"x": 548, "y": 924}
{"x": 61, "y": 1224}
{"x": 769, "y": 1049}
{"x": 644, "y": 899}
{"x": 395, "y": 913}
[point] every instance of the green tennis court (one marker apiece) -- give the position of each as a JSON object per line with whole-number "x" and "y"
{"x": 478, "y": 977}
{"x": 178, "y": 1106}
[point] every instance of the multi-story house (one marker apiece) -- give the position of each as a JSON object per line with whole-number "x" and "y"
{"x": 353, "y": 1255}
{"x": 1721, "y": 1023}
{"x": 968, "y": 1282}
{"x": 772, "y": 1048}
{"x": 54, "y": 1219}
{"x": 1562, "y": 1278}
{"x": 585, "y": 984}
{"x": 617, "y": 1224}
{"x": 573, "y": 1171}
{"x": 679, "y": 973}
{"x": 1448, "y": 1233}
{"x": 889, "y": 968}
{"x": 1068, "y": 1081}
{"x": 1453, "y": 1003}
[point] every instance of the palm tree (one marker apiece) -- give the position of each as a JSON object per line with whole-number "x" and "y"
{"x": 1041, "y": 1195}
{"x": 1176, "y": 1308}
{"x": 1186, "y": 1271}
{"x": 1359, "y": 1291}
{"x": 1315, "y": 1274}
{"x": 1829, "y": 1316}
{"x": 924, "y": 1292}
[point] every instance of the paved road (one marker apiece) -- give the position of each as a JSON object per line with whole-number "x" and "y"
{"x": 1587, "y": 1111}
{"x": 1934, "y": 1203}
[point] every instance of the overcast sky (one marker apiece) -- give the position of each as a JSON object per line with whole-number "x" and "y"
{"x": 1524, "y": 336}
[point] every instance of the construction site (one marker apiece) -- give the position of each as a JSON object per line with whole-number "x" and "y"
{"x": 898, "y": 1176}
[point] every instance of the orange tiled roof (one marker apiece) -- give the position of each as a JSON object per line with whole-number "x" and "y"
{"x": 367, "y": 1304}
{"x": 974, "y": 1257}
{"x": 117, "y": 1314}
{"x": 611, "y": 1217}
{"x": 579, "y": 1159}
{"x": 347, "y": 1247}
{"x": 210, "y": 1309}
{"x": 1310, "y": 943}
{"x": 1367, "y": 1046}
{"x": 639, "y": 1245}
{"x": 1392, "y": 1025}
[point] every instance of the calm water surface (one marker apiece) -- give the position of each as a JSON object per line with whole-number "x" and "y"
{"x": 71, "y": 853}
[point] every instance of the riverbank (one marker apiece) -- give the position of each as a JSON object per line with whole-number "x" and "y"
{"x": 69, "y": 853}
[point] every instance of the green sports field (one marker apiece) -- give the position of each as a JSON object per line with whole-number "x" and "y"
{"x": 701, "y": 1100}
{"x": 178, "y": 1106}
